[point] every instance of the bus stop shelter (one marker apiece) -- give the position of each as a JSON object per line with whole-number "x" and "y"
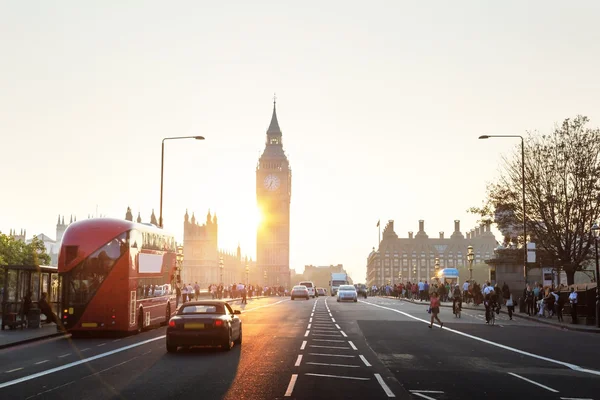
{"x": 17, "y": 280}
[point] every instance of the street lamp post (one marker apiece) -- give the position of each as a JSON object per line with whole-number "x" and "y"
{"x": 247, "y": 274}
{"x": 221, "y": 267}
{"x": 596, "y": 233}
{"x": 470, "y": 257}
{"x": 162, "y": 168}
{"x": 178, "y": 277}
{"x": 414, "y": 271}
{"x": 265, "y": 276}
{"x": 523, "y": 192}
{"x": 437, "y": 269}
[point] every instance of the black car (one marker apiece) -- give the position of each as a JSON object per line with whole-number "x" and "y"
{"x": 208, "y": 323}
{"x": 361, "y": 290}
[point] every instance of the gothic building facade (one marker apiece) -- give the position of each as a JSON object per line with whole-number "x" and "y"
{"x": 413, "y": 258}
{"x": 273, "y": 195}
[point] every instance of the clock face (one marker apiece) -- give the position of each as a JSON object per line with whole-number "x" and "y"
{"x": 272, "y": 182}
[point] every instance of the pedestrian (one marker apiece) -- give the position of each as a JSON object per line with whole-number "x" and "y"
{"x": 510, "y": 305}
{"x": 558, "y": 305}
{"x": 573, "y": 301}
{"x": 434, "y": 308}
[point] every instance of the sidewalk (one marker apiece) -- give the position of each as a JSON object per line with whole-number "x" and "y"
{"x": 13, "y": 337}
{"x": 548, "y": 321}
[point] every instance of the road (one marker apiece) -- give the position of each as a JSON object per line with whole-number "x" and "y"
{"x": 377, "y": 348}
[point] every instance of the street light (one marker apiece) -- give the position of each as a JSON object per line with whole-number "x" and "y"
{"x": 265, "y": 276}
{"x": 414, "y": 271}
{"x": 179, "y": 264}
{"x": 596, "y": 233}
{"x": 470, "y": 257}
{"x": 162, "y": 167}
{"x": 247, "y": 272}
{"x": 437, "y": 269}
{"x": 221, "y": 267}
{"x": 523, "y": 190}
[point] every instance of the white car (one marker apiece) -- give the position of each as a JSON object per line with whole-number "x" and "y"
{"x": 300, "y": 291}
{"x": 347, "y": 292}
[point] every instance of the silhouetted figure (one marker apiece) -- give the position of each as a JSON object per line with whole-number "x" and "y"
{"x": 46, "y": 309}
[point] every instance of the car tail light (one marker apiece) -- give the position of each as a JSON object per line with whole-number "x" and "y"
{"x": 113, "y": 316}
{"x": 218, "y": 323}
{"x": 172, "y": 323}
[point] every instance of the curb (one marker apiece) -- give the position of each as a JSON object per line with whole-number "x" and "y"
{"x": 35, "y": 339}
{"x": 59, "y": 334}
{"x": 515, "y": 314}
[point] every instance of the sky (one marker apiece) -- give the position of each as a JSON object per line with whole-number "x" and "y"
{"x": 380, "y": 104}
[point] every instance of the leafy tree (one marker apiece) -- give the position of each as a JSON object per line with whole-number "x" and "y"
{"x": 16, "y": 252}
{"x": 562, "y": 193}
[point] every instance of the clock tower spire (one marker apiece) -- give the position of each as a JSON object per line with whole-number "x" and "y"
{"x": 273, "y": 195}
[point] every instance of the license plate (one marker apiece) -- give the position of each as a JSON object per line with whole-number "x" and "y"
{"x": 193, "y": 326}
{"x": 89, "y": 325}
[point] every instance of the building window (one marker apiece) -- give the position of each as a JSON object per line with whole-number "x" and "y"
{"x": 396, "y": 263}
{"x": 405, "y": 263}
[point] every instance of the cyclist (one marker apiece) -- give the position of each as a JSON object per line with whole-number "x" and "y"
{"x": 491, "y": 304}
{"x": 456, "y": 300}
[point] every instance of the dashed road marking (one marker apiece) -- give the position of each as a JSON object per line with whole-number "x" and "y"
{"x": 364, "y": 360}
{"x": 306, "y": 333}
{"x": 333, "y": 365}
{"x": 330, "y": 355}
{"x": 533, "y": 382}
{"x": 303, "y": 345}
{"x": 339, "y": 377}
{"x": 298, "y": 360}
{"x": 330, "y": 347}
{"x": 328, "y": 340}
{"x": 385, "y": 387}
{"x": 352, "y": 345}
{"x": 64, "y": 355}
{"x": 343, "y": 334}
{"x": 100, "y": 345}
{"x": 13, "y": 370}
{"x": 41, "y": 362}
{"x": 291, "y": 385}
{"x": 337, "y": 326}
{"x": 308, "y": 327}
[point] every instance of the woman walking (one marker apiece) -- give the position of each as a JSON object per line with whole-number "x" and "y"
{"x": 434, "y": 307}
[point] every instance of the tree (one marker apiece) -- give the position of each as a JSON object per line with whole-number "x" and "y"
{"x": 562, "y": 193}
{"x": 16, "y": 252}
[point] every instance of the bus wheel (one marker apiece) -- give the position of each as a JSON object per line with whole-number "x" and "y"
{"x": 167, "y": 315}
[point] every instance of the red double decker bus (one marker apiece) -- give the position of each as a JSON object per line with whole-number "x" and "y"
{"x": 116, "y": 275}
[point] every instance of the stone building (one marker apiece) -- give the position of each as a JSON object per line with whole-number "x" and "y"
{"x": 201, "y": 255}
{"x": 273, "y": 195}
{"x": 413, "y": 258}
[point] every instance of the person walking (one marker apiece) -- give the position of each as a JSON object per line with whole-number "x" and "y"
{"x": 573, "y": 301}
{"x": 434, "y": 307}
{"x": 510, "y": 305}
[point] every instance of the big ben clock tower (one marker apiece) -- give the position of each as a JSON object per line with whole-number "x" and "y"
{"x": 273, "y": 195}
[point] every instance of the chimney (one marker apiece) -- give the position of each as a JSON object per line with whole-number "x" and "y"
{"x": 468, "y": 235}
{"x": 456, "y": 225}
{"x": 441, "y": 235}
{"x": 410, "y": 235}
{"x": 473, "y": 233}
{"x": 421, "y": 225}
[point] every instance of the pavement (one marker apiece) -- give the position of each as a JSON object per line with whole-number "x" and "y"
{"x": 377, "y": 348}
{"x": 566, "y": 324}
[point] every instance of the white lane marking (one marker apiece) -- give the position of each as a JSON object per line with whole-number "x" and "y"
{"x": 343, "y": 334}
{"x": 339, "y": 377}
{"x": 330, "y": 347}
{"x": 323, "y": 334}
{"x": 101, "y": 344}
{"x": 333, "y": 365}
{"x": 116, "y": 340}
{"x": 329, "y": 340}
{"x": 13, "y": 370}
{"x": 423, "y": 396}
{"x": 41, "y": 362}
{"x": 64, "y": 355}
{"x": 324, "y": 330}
{"x": 352, "y": 345}
{"x": 303, "y": 345}
{"x": 308, "y": 327}
{"x": 330, "y": 315}
{"x": 75, "y": 363}
{"x": 50, "y": 390}
{"x": 86, "y": 349}
{"x": 333, "y": 319}
{"x": 330, "y": 355}
{"x": 426, "y": 391}
{"x": 337, "y": 326}
{"x": 312, "y": 314}
{"x": 148, "y": 352}
{"x": 571, "y": 398}
{"x": 310, "y": 320}
{"x": 385, "y": 387}
{"x": 111, "y": 367}
{"x": 306, "y": 333}
{"x": 290, "y": 387}
{"x": 298, "y": 360}
{"x": 533, "y": 382}
{"x": 364, "y": 360}
{"x": 532, "y": 355}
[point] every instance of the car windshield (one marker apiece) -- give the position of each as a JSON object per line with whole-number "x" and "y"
{"x": 307, "y": 284}
{"x": 300, "y": 288}
{"x": 202, "y": 309}
{"x": 347, "y": 287}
